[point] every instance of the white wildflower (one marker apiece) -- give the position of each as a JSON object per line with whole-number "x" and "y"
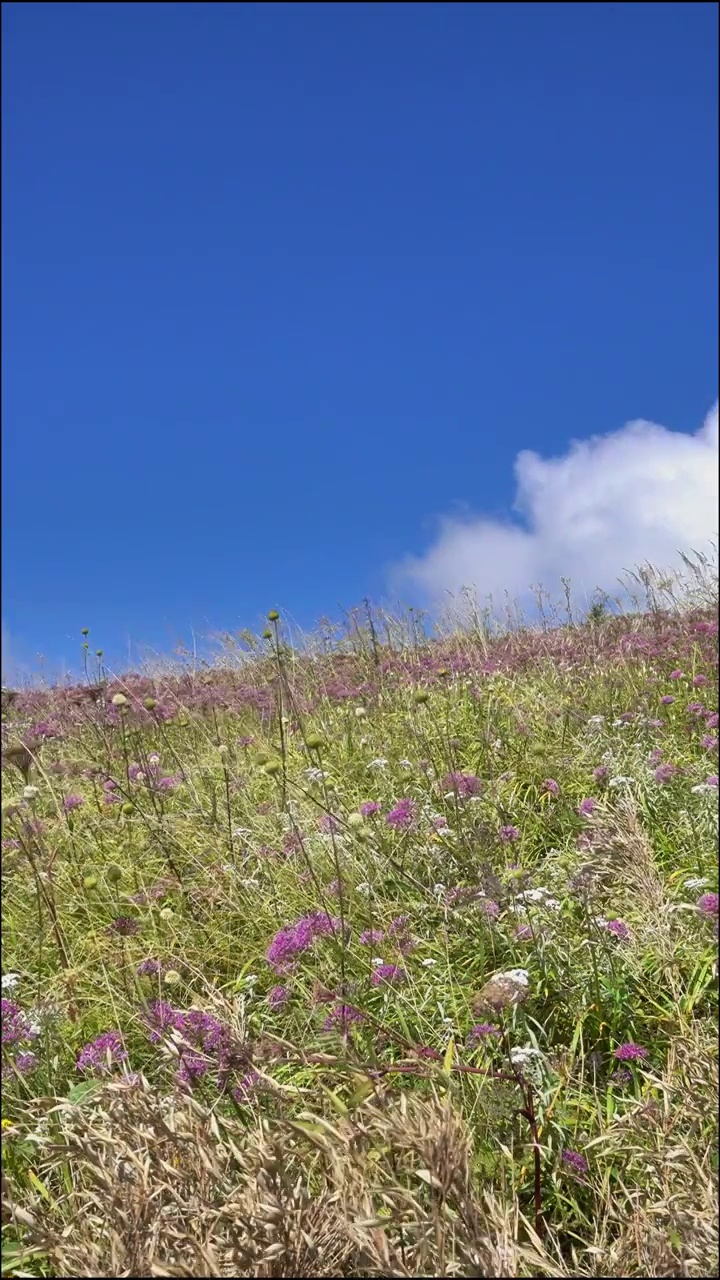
{"x": 429, "y": 963}
{"x": 380, "y": 763}
{"x": 621, "y": 781}
{"x": 439, "y": 890}
{"x": 596, "y": 720}
{"x": 702, "y": 789}
{"x": 376, "y": 960}
{"x": 363, "y": 887}
{"x": 10, "y": 981}
{"x": 31, "y": 793}
{"x": 316, "y": 775}
{"x": 405, "y": 764}
{"x": 695, "y": 882}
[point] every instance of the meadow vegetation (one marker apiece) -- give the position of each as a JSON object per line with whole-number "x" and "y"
{"x": 388, "y": 955}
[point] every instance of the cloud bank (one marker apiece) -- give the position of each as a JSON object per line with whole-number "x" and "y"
{"x": 609, "y": 504}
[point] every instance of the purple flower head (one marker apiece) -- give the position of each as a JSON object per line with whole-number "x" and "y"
{"x": 402, "y": 816}
{"x": 371, "y": 937}
{"x": 667, "y": 700}
{"x": 508, "y": 834}
{"x": 149, "y": 968}
{"x": 72, "y": 802}
{"x": 490, "y": 908}
{"x": 621, "y": 1077}
{"x": 15, "y": 1026}
{"x": 708, "y": 905}
{"x": 398, "y": 926}
{"x": 329, "y": 823}
{"x": 160, "y": 1017}
{"x": 245, "y": 741}
{"x": 675, "y": 675}
{"x": 124, "y": 927}
{"x": 699, "y": 681}
{"x": 278, "y": 996}
{"x": 168, "y": 784}
{"x": 618, "y": 929}
{"x": 463, "y": 784}
{"x": 102, "y": 1054}
{"x": 243, "y": 1091}
{"x": 708, "y": 742}
{"x": 26, "y": 1062}
{"x": 390, "y": 973}
{"x": 586, "y": 807}
{"x": 655, "y": 756}
{"x": 630, "y": 1052}
{"x": 192, "y": 1068}
{"x": 296, "y": 938}
{"x": 601, "y": 773}
{"x": 712, "y": 781}
{"x": 134, "y": 772}
{"x": 523, "y": 933}
{"x": 481, "y": 1032}
{"x": 341, "y": 1017}
{"x": 575, "y": 1161}
{"x": 551, "y": 786}
{"x": 369, "y": 807}
{"x": 665, "y": 773}
{"x": 695, "y": 708}
{"x": 439, "y": 822}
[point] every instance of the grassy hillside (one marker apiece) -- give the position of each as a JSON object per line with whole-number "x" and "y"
{"x": 398, "y": 958}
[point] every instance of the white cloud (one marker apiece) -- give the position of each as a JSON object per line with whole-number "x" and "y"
{"x": 611, "y": 503}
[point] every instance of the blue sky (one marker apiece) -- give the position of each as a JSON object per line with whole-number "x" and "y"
{"x": 289, "y": 291}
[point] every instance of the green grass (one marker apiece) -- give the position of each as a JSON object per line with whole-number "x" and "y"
{"x": 452, "y": 1160}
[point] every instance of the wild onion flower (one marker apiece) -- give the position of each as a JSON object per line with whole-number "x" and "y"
{"x": 148, "y": 968}
{"x": 15, "y": 1025}
{"x": 665, "y": 773}
{"x": 342, "y": 1016}
{"x": 699, "y": 681}
{"x": 72, "y": 802}
{"x": 278, "y": 996}
{"x": 575, "y": 1161}
{"x": 667, "y": 700}
{"x": 481, "y": 1031}
{"x": 296, "y": 938}
{"x": 618, "y": 929}
{"x": 551, "y": 786}
{"x": 192, "y": 1068}
{"x": 329, "y": 823}
{"x": 247, "y": 1086}
{"x": 370, "y": 937}
{"x": 508, "y": 834}
{"x": 390, "y": 973}
{"x": 462, "y": 784}
{"x": 398, "y": 926}
{"x": 708, "y": 742}
{"x": 630, "y": 1052}
{"x": 587, "y": 807}
{"x": 124, "y": 926}
{"x": 621, "y": 1077}
{"x": 601, "y": 774}
{"x": 490, "y": 909}
{"x": 523, "y": 933}
{"x": 708, "y": 905}
{"x": 102, "y": 1054}
{"x": 369, "y": 807}
{"x": 26, "y": 1062}
{"x": 675, "y": 675}
{"x": 402, "y": 816}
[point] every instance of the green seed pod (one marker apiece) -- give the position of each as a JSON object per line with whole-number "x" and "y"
{"x": 149, "y": 704}
{"x": 273, "y": 766}
{"x": 314, "y": 742}
{"x": 421, "y": 697}
{"x": 127, "y": 808}
{"x": 355, "y": 820}
{"x": 262, "y": 757}
{"x": 119, "y": 700}
{"x": 90, "y": 882}
{"x": 267, "y": 635}
{"x": 273, "y": 615}
{"x": 85, "y": 631}
{"x": 114, "y": 873}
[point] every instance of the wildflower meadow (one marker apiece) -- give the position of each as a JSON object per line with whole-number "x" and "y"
{"x": 386, "y": 953}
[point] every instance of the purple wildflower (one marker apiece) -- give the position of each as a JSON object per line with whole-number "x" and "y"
{"x": 699, "y": 681}
{"x": 149, "y": 968}
{"x": 551, "y": 786}
{"x": 576, "y": 1162}
{"x": 675, "y": 675}
{"x": 629, "y": 1052}
{"x": 490, "y": 909}
{"x": 293, "y": 939}
{"x": 168, "y": 784}
{"x": 329, "y": 823}
{"x": 665, "y": 773}
{"x": 708, "y": 905}
{"x": 160, "y": 1017}
{"x": 508, "y": 834}
{"x": 402, "y": 816}
{"x": 621, "y": 1077}
{"x": 398, "y": 926}
{"x": 586, "y": 807}
{"x": 667, "y": 700}
{"x": 369, "y": 807}
{"x": 342, "y": 1016}
{"x": 192, "y": 1068}
{"x": 247, "y": 1086}
{"x": 712, "y": 720}
{"x": 439, "y": 822}
{"x": 72, "y": 802}
{"x": 15, "y": 1025}
{"x": 124, "y": 926}
{"x": 523, "y": 933}
{"x": 387, "y": 973}
{"x": 655, "y": 756}
{"x": 102, "y": 1054}
{"x": 481, "y": 1031}
{"x": 712, "y": 780}
{"x": 618, "y": 929}
{"x": 278, "y": 996}
{"x": 708, "y": 742}
{"x": 463, "y": 784}
{"x": 371, "y": 937}
{"x": 601, "y": 773}
{"x": 26, "y": 1062}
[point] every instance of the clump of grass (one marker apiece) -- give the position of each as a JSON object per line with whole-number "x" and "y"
{"x": 382, "y": 955}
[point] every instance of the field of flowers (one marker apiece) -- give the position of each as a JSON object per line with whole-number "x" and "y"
{"x": 394, "y": 958}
